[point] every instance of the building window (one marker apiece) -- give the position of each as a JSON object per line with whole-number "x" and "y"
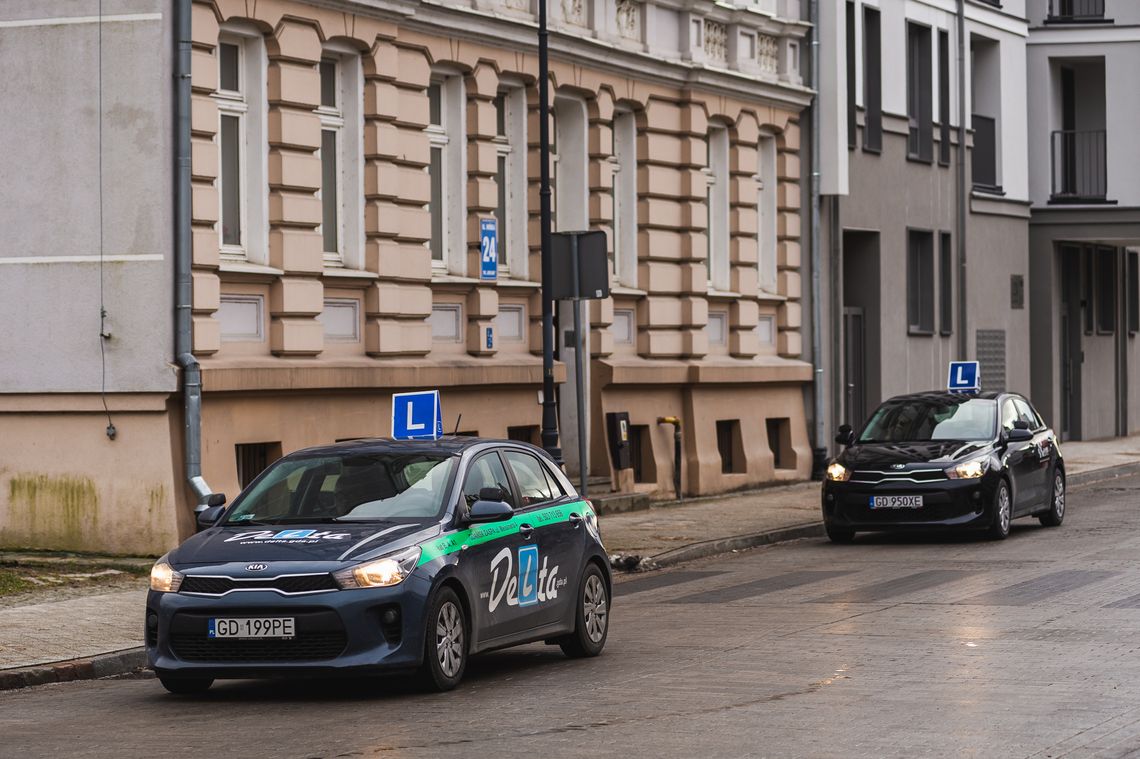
{"x": 1133, "y": 292}
{"x": 920, "y": 282}
{"x": 716, "y": 174}
{"x": 242, "y": 186}
{"x": 510, "y": 324}
{"x": 730, "y": 446}
{"x": 446, "y": 322}
{"x": 241, "y": 318}
{"x": 253, "y": 459}
{"x": 852, "y": 125}
{"x": 768, "y": 239}
{"x": 1105, "y": 291}
{"x": 341, "y": 319}
{"x": 985, "y": 79}
{"x": 946, "y": 283}
{"x": 511, "y": 179}
{"x": 1088, "y": 290}
{"x": 624, "y": 328}
{"x": 872, "y": 81}
{"x": 717, "y": 328}
{"x": 341, "y": 155}
{"x": 919, "y": 105}
{"x": 766, "y": 330}
{"x": 625, "y": 198}
{"x": 943, "y": 97}
{"x": 447, "y": 137}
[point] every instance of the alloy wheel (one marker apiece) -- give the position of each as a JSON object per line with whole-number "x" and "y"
{"x": 449, "y": 639}
{"x": 1003, "y": 509}
{"x": 1058, "y": 495}
{"x": 594, "y": 608}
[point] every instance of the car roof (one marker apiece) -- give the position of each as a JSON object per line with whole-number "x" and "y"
{"x": 944, "y": 395}
{"x": 448, "y": 445}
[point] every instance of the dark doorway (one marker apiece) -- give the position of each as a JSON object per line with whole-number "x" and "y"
{"x": 854, "y": 368}
{"x": 862, "y": 373}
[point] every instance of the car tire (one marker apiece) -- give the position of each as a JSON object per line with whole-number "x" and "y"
{"x": 591, "y": 616}
{"x": 186, "y": 686}
{"x": 445, "y": 643}
{"x": 840, "y": 535}
{"x": 1002, "y": 512}
{"x": 1056, "y": 513}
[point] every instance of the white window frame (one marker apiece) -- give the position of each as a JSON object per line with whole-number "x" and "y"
{"x": 719, "y": 216}
{"x": 625, "y": 197}
{"x": 345, "y": 119}
{"x": 767, "y": 240}
{"x": 512, "y": 147}
{"x": 250, "y": 106}
{"x": 349, "y": 304}
{"x": 450, "y": 137}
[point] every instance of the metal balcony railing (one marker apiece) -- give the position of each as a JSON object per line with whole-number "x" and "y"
{"x": 1080, "y": 167}
{"x": 985, "y": 152}
{"x": 1076, "y": 10}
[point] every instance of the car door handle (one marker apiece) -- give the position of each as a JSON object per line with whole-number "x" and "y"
{"x": 526, "y": 530}
{"x": 575, "y": 519}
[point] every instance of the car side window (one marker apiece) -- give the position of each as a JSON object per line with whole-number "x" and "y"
{"x": 487, "y": 471}
{"x": 1009, "y": 414}
{"x": 534, "y": 485}
{"x": 1026, "y": 414}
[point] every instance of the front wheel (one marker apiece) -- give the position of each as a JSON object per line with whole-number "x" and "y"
{"x": 591, "y": 618}
{"x": 1003, "y": 512}
{"x": 1056, "y": 513}
{"x": 186, "y": 686}
{"x": 445, "y": 643}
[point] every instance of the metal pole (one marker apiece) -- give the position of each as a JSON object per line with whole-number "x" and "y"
{"x": 963, "y": 338}
{"x": 579, "y": 347}
{"x": 549, "y": 413}
{"x": 819, "y": 452}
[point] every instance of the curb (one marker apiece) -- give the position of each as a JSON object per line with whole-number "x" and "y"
{"x": 1093, "y": 476}
{"x": 93, "y": 668}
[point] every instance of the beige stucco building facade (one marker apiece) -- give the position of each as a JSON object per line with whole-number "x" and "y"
{"x": 343, "y": 158}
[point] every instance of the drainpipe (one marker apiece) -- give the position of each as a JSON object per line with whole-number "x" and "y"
{"x": 191, "y": 371}
{"x": 819, "y": 450}
{"x": 963, "y": 189}
{"x": 676, "y": 422}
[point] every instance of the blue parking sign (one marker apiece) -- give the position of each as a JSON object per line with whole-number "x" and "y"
{"x": 964, "y": 377}
{"x": 488, "y": 249}
{"x": 417, "y": 416}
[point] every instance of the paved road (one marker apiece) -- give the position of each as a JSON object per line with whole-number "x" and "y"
{"x": 889, "y": 647}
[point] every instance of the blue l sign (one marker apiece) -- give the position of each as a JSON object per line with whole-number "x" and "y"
{"x": 488, "y": 249}
{"x": 964, "y": 377}
{"x": 417, "y": 416}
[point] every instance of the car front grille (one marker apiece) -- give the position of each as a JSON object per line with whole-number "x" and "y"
{"x": 317, "y": 646}
{"x": 874, "y": 477}
{"x": 217, "y": 586}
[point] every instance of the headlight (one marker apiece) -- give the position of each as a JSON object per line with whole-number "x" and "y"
{"x": 164, "y": 579}
{"x": 968, "y": 470}
{"x": 838, "y": 473}
{"x": 381, "y": 573}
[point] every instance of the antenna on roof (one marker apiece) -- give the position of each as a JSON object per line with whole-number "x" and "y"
{"x": 457, "y": 421}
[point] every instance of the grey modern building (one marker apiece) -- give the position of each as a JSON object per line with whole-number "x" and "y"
{"x": 1084, "y": 183}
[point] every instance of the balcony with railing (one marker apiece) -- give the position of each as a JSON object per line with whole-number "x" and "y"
{"x": 1080, "y": 167}
{"x": 984, "y": 163}
{"x": 1076, "y": 12}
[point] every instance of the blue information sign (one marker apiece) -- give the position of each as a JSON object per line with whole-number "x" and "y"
{"x": 964, "y": 377}
{"x": 417, "y": 416}
{"x": 488, "y": 249}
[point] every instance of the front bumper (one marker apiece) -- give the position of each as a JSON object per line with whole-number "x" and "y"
{"x": 338, "y": 632}
{"x": 947, "y": 504}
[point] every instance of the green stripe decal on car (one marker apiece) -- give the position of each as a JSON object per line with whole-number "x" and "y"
{"x": 485, "y": 533}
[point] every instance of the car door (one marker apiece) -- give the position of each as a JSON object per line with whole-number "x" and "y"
{"x": 1043, "y": 442}
{"x": 1020, "y": 460}
{"x": 491, "y": 562}
{"x": 550, "y": 550}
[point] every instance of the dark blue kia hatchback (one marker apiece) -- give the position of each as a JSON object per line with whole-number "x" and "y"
{"x": 379, "y": 556}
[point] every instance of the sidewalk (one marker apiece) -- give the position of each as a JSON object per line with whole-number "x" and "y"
{"x": 100, "y": 634}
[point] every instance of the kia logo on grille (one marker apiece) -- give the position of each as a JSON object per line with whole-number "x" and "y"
{"x": 898, "y": 466}
{"x": 257, "y": 567}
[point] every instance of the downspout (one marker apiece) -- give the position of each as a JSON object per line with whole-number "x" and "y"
{"x": 191, "y": 371}
{"x": 963, "y": 189}
{"x": 820, "y": 450}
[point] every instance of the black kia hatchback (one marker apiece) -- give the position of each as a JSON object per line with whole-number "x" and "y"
{"x": 945, "y": 461}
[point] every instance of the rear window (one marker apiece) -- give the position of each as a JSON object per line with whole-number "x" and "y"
{"x": 350, "y": 488}
{"x": 920, "y": 420}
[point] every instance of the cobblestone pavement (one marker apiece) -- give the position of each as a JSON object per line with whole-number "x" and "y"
{"x": 890, "y": 647}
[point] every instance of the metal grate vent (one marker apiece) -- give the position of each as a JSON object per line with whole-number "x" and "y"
{"x": 991, "y": 357}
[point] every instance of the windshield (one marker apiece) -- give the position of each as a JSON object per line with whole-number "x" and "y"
{"x": 912, "y": 421}
{"x": 361, "y": 487}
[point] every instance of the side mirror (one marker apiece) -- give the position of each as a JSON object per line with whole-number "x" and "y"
{"x": 492, "y": 494}
{"x": 216, "y": 499}
{"x": 1018, "y": 435}
{"x": 489, "y": 511}
{"x": 846, "y": 435}
{"x": 1021, "y": 424}
{"x": 209, "y": 516}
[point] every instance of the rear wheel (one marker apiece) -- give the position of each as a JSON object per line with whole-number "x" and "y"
{"x": 1056, "y": 513}
{"x": 445, "y": 643}
{"x": 186, "y": 686}
{"x": 592, "y": 617}
{"x": 1003, "y": 512}
{"x": 838, "y": 534}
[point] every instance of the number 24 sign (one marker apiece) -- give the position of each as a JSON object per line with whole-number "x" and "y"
{"x": 488, "y": 249}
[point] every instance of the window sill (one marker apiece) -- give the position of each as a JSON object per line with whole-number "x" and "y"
{"x": 627, "y": 292}
{"x": 913, "y": 332}
{"x": 246, "y": 269}
{"x": 1073, "y": 201}
{"x": 522, "y": 284}
{"x": 351, "y": 277}
{"x": 919, "y": 159}
{"x": 722, "y": 295}
{"x": 987, "y": 190}
{"x": 872, "y": 150}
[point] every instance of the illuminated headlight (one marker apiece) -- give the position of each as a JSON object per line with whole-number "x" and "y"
{"x": 838, "y": 473}
{"x": 164, "y": 578}
{"x": 968, "y": 470}
{"x": 381, "y": 573}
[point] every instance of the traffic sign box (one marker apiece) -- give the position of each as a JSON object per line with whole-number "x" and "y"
{"x": 417, "y": 416}
{"x": 964, "y": 377}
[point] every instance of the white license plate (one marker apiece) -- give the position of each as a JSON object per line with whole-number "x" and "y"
{"x": 251, "y": 627}
{"x": 896, "y": 502}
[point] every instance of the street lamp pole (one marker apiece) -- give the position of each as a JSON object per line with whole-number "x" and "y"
{"x": 549, "y": 413}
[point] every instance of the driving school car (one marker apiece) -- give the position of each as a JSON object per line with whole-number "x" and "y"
{"x": 380, "y": 556}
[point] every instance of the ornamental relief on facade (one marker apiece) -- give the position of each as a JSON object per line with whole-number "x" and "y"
{"x": 629, "y": 19}
{"x": 716, "y": 41}
{"x": 766, "y": 54}
{"x": 574, "y": 12}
